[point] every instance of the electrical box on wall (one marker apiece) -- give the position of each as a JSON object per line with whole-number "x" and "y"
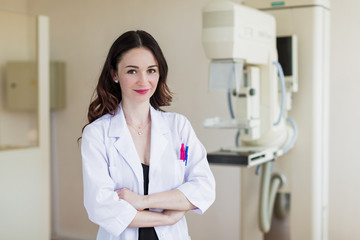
{"x": 57, "y": 85}
{"x": 22, "y": 86}
{"x": 21, "y": 90}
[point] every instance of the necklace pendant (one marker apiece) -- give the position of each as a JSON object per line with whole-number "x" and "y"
{"x": 139, "y": 133}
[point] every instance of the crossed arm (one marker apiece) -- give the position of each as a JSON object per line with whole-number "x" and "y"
{"x": 174, "y": 202}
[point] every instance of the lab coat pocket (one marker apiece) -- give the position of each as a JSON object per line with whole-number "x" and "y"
{"x": 181, "y": 165}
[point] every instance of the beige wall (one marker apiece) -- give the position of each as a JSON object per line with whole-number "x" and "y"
{"x": 16, "y": 6}
{"x": 344, "y": 122}
{"x": 81, "y": 33}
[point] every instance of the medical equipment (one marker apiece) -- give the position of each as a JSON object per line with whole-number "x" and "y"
{"x": 241, "y": 42}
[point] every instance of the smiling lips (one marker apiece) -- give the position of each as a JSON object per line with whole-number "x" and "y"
{"x": 142, "y": 91}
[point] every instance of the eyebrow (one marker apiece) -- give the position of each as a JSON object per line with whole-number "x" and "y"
{"x": 133, "y": 66}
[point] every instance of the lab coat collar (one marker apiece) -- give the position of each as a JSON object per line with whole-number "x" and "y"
{"x": 125, "y": 144}
{"x": 118, "y": 127}
{"x": 160, "y": 133}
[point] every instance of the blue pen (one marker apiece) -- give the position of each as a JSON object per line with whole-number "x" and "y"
{"x": 186, "y": 154}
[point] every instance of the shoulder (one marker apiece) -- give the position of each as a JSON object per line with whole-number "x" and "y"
{"x": 175, "y": 121}
{"x": 98, "y": 126}
{"x": 174, "y": 118}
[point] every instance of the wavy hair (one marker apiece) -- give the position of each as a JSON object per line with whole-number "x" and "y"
{"x": 107, "y": 95}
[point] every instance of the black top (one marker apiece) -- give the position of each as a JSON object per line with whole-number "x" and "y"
{"x": 149, "y": 232}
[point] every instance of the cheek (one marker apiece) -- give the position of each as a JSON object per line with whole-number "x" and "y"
{"x": 154, "y": 80}
{"x": 126, "y": 81}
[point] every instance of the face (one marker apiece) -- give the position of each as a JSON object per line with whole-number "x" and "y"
{"x": 138, "y": 75}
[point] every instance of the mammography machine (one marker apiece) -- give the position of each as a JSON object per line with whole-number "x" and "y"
{"x": 241, "y": 43}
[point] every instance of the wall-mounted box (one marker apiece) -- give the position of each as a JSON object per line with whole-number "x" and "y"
{"x": 22, "y": 86}
{"x": 21, "y": 90}
{"x": 57, "y": 85}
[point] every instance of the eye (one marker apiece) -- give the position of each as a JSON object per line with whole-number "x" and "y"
{"x": 132, "y": 71}
{"x": 151, "y": 70}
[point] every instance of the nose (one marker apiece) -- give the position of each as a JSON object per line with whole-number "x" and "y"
{"x": 142, "y": 79}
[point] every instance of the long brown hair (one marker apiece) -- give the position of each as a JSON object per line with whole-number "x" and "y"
{"x": 107, "y": 95}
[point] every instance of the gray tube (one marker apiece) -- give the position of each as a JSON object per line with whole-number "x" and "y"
{"x": 269, "y": 187}
{"x": 230, "y": 104}
{"x": 232, "y": 115}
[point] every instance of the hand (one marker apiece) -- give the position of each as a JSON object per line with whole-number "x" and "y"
{"x": 174, "y": 215}
{"x": 134, "y": 199}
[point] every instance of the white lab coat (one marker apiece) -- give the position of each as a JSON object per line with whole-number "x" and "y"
{"x": 110, "y": 162}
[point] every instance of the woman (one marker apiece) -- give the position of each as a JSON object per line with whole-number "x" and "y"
{"x": 143, "y": 168}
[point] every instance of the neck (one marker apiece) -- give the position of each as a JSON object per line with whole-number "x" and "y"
{"x": 136, "y": 114}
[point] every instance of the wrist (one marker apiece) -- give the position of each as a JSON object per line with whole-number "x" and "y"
{"x": 145, "y": 202}
{"x": 168, "y": 219}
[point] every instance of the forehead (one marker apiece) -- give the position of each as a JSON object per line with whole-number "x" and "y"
{"x": 138, "y": 56}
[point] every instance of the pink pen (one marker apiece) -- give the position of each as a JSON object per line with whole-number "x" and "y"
{"x": 182, "y": 152}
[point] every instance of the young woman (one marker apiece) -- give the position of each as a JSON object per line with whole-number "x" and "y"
{"x": 143, "y": 168}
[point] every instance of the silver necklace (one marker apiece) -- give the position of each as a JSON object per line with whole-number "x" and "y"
{"x": 139, "y": 132}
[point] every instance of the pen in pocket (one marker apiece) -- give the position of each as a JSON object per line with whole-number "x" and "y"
{"x": 184, "y": 153}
